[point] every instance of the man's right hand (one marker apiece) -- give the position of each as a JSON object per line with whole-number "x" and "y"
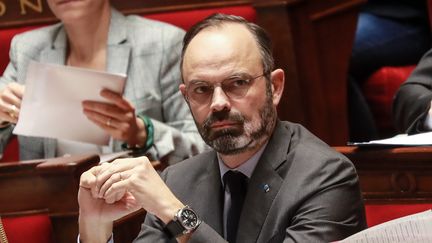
{"x": 10, "y": 102}
{"x": 96, "y": 216}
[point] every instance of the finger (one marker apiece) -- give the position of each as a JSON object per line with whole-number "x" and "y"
{"x": 17, "y": 89}
{"x": 117, "y": 190}
{"x": 117, "y": 99}
{"x": 105, "y": 179}
{"x": 8, "y": 117}
{"x": 108, "y": 183}
{"x": 119, "y": 165}
{"x": 106, "y": 109}
{"x": 105, "y": 122}
{"x": 114, "y": 178}
{"x": 9, "y": 97}
{"x": 115, "y": 197}
{"x": 89, "y": 179}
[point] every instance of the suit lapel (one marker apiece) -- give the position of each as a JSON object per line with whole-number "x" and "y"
{"x": 208, "y": 199}
{"x": 119, "y": 50}
{"x": 259, "y": 200}
{"x": 55, "y": 54}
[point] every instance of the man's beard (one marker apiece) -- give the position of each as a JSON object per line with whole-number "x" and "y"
{"x": 243, "y": 136}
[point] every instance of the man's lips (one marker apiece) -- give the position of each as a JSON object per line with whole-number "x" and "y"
{"x": 224, "y": 124}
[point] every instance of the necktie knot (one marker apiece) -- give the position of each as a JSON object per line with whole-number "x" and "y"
{"x": 236, "y": 182}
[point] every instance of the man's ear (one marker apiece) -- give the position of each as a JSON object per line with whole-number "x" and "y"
{"x": 278, "y": 84}
{"x": 182, "y": 88}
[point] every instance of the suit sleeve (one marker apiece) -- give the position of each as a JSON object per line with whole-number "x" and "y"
{"x": 332, "y": 208}
{"x": 9, "y": 75}
{"x": 152, "y": 230}
{"x": 412, "y": 101}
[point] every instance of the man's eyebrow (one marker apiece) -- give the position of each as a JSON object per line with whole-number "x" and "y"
{"x": 231, "y": 76}
{"x": 194, "y": 81}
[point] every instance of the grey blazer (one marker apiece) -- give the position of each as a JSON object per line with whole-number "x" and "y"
{"x": 148, "y": 52}
{"x": 314, "y": 194}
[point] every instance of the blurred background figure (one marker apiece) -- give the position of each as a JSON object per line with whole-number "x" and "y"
{"x": 389, "y": 33}
{"x": 412, "y": 104}
{"x": 151, "y": 116}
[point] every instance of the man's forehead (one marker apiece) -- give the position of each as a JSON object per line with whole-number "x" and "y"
{"x": 221, "y": 47}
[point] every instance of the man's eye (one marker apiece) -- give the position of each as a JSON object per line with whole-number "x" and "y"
{"x": 239, "y": 83}
{"x": 202, "y": 89}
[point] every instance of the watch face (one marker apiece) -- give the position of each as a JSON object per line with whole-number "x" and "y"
{"x": 189, "y": 219}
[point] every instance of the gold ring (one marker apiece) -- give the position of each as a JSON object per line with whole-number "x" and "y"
{"x": 108, "y": 122}
{"x": 11, "y": 114}
{"x": 13, "y": 108}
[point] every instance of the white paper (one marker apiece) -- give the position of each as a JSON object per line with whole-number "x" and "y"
{"x": 52, "y": 102}
{"x": 421, "y": 139}
{"x": 413, "y": 228}
{"x": 112, "y": 156}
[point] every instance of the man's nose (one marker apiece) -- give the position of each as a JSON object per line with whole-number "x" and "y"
{"x": 220, "y": 100}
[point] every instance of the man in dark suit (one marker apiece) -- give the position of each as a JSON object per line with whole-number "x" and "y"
{"x": 412, "y": 112}
{"x": 266, "y": 181}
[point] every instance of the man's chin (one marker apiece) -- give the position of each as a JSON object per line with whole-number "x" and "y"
{"x": 226, "y": 133}
{"x": 230, "y": 145}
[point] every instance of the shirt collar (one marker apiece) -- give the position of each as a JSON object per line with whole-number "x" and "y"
{"x": 246, "y": 168}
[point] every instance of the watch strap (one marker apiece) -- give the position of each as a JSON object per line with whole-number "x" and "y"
{"x": 174, "y": 228}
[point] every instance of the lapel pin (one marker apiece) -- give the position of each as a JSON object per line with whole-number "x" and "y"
{"x": 266, "y": 188}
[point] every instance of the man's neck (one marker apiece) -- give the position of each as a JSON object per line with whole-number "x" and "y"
{"x": 235, "y": 160}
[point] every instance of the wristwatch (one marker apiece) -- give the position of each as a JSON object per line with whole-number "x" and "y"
{"x": 184, "y": 222}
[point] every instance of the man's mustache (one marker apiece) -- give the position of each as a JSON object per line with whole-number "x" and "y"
{"x": 222, "y": 116}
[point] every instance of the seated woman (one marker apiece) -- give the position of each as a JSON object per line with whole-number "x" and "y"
{"x": 412, "y": 104}
{"x": 150, "y": 116}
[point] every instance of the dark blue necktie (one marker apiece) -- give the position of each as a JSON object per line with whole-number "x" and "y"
{"x": 237, "y": 185}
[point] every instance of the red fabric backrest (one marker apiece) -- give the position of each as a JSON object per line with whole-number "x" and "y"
{"x": 5, "y": 40}
{"x": 28, "y": 229}
{"x": 379, "y": 91}
{"x": 185, "y": 19}
{"x": 380, "y": 213}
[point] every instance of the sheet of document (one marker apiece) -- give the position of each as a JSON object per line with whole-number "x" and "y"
{"x": 421, "y": 139}
{"x": 413, "y": 228}
{"x": 52, "y": 102}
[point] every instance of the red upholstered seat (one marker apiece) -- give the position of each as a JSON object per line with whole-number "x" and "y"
{"x": 28, "y": 229}
{"x": 185, "y": 19}
{"x": 5, "y": 39}
{"x": 380, "y": 213}
{"x": 379, "y": 90}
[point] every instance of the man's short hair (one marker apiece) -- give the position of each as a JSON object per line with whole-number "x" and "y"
{"x": 216, "y": 20}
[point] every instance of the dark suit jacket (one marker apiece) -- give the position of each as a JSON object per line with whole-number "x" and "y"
{"x": 412, "y": 101}
{"x": 314, "y": 194}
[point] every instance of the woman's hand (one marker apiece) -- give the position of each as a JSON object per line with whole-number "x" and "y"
{"x": 117, "y": 118}
{"x": 10, "y": 102}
